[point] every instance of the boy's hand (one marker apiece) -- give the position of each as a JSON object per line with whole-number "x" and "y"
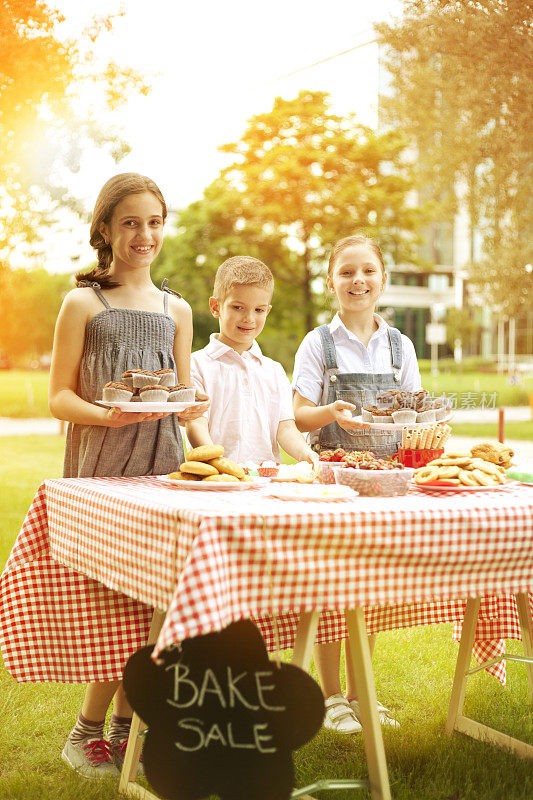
{"x": 188, "y": 414}
{"x": 342, "y": 414}
{"x": 311, "y": 457}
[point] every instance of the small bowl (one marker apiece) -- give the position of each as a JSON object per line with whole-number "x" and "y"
{"x": 327, "y": 469}
{"x": 268, "y": 472}
{"x": 376, "y": 483}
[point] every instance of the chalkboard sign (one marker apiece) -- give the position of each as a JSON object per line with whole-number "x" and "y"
{"x": 222, "y": 719}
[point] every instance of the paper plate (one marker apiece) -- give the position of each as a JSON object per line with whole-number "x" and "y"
{"x": 425, "y": 487}
{"x": 143, "y": 408}
{"x": 308, "y": 491}
{"x": 210, "y": 486}
{"x": 391, "y": 426}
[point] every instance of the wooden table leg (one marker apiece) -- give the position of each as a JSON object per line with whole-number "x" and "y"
{"x": 456, "y": 720}
{"x": 526, "y": 628}
{"x": 366, "y": 693}
{"x": 466, "y": 644}
{"x": 128, "y": 776}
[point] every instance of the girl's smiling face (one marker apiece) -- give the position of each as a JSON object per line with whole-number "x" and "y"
{"x": 136, "y": 230}
{"x": 357, "y": 279}
{"x": 242, "y": 315}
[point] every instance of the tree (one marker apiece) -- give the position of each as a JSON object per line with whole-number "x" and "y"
{"x": 42, "y": 133}
{"x": 29, "y": 305}
{"x": 301, "y": 178}
{"x": 462, "y": 90}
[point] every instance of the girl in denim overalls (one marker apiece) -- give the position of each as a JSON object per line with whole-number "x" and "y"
{"x": 339, "y": 368}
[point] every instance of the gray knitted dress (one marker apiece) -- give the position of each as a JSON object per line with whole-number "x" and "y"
{"x": 117, "y": 340}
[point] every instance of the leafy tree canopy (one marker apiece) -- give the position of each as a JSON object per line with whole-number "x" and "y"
{"x": 462, "y": 91}
{"x": 301, "y": 177}
{"x": 44, "y": 125}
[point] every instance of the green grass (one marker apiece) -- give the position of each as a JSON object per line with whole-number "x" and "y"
{"x": 24, "y": 394}
{"x": 470, "y": 386}
{"x": 489, "y": 430}
{"x": 413, "y": 672}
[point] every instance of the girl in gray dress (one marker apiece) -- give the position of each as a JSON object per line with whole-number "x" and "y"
{"x": 117, "y": 320}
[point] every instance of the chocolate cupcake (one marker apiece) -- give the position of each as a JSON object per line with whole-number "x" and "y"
{"x": 115, "y": 392}
{"x": 154, "y": 393}
{"x": 143, "y": 377}
{"x": 382, "y": 415}
{"x": 166, "y": 377}
{"x": 181, "y": 394}
{"x": 405, "y": 415}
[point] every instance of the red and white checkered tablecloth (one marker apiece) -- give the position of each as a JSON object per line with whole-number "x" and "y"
{"x": 96, "y": 554}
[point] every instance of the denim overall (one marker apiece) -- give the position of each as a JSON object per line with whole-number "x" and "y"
{"x": 359, "y": 388}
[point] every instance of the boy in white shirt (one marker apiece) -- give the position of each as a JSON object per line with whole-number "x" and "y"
{"x": 251, "y": 398}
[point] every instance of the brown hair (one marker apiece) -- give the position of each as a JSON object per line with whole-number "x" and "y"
{"x": 111, "y": 193}
{"x": 353, "y": 241}
{"x": 241, "y": 271}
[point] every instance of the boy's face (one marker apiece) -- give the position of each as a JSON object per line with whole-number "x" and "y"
{"x": 241, "y": 315}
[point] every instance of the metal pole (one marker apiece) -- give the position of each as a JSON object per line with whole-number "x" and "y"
{"x": 500, "y": 425}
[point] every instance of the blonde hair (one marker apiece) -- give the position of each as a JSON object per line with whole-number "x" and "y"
{"x": 116, "y": 189}
{"x": 353, "y": 241}
{"x": 241, "y": 271}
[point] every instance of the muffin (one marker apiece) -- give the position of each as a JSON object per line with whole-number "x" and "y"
{"x": 114, "y": 392}
{"x": 382, "y": 415}
{"x": 405, "y": 415}
{"x": 154, "y": 394}
{"x": 426, "y": 414}
{"x": 442, "y": 406}
{"x": 166, "y": 377}
{"x": 143, "y": 377}
{"x": 181, "y": 394}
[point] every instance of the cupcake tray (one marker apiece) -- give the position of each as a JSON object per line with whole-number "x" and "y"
{"x": 144, "y": 408}
{"x": 400, "y": 425}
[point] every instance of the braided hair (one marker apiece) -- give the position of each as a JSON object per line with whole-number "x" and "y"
{"x": 112, "y": 192}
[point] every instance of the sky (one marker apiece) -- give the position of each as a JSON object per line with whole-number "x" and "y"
{"x": 211, "y": 67}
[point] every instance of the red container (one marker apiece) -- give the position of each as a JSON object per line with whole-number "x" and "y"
{"x": 417, "y": 458}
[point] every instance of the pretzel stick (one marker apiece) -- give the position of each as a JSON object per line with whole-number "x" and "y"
{"x": 425, "y": 435}
{"x": 438, "y": 437}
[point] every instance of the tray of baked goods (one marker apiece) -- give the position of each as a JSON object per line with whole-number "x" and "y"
{"x": 395, "y": 408}
{"x": 206, "y": 469}
{"x": 140, "y": 391}
{"x": 484, "y": 468}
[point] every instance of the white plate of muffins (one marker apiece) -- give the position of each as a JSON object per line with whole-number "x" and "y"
{"x": 142, "y": 391}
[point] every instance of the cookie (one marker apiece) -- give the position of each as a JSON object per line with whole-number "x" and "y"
{"x": 222, "y": 477}
{"x": 198, "y": 468}
{"x": 184, "y": 476}
{"x": 228, "y": 467}
{"x": 205, "y": 452}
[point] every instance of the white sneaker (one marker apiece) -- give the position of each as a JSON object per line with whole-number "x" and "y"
{"x": 91, "y": 758}
{"x": 385, "y": 715}
{"x": 340, "y": 716}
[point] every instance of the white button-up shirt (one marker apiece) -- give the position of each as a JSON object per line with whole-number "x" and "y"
{"x": 309, "y": 377}
{"x": 250, "y": 395}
